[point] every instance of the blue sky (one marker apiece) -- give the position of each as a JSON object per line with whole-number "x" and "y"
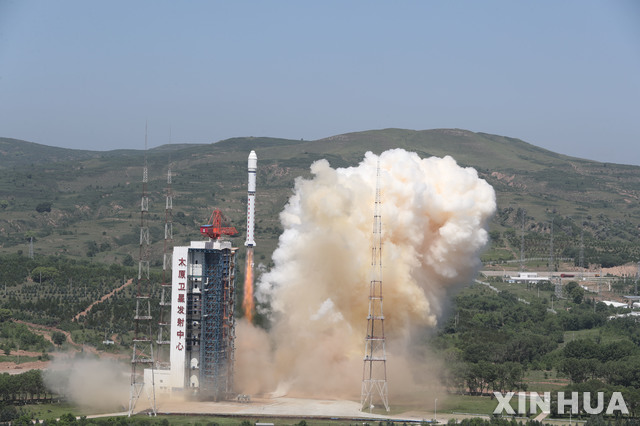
{"x": 563, "y": 75}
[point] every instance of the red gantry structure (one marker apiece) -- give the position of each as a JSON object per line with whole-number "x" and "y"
{"x": 216, "y": 227}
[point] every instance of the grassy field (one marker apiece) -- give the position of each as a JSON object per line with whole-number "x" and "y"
{"x": 52, "y": 410}
{"x": 544, "y": 381}
{"x": 595, "y": 334}
{"x": 18, "y": 359}
{"x": 466, "y": 404}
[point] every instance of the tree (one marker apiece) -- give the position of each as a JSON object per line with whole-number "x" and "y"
{"x": 58, "y": 338}
{"x": 92, "y": 248}
{"x": 574, "y": 291}
{"x": 127, "y": 261}
{"x": 44, "y": 273}
{"x": 67, "y": 419}
{"x": 44, "y": 207}
{"x": 31, "y": 383}
{"x": 579, "y": 369}
{"x": 5, "y": 314}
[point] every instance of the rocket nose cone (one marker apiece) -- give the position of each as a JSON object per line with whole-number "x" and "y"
{"x": 253, "y": 161}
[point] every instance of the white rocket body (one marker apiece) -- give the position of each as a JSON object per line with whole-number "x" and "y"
{"x": 251, "y": 199}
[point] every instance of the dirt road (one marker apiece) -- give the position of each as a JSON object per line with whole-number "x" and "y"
{"x": 102, "y": 299}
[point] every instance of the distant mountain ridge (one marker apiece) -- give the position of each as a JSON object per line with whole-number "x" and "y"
{"x": 86, "y": 188}
{"x": 16, "y": 152}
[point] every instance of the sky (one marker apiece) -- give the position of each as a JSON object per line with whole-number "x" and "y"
{"x": 562, "y": 75}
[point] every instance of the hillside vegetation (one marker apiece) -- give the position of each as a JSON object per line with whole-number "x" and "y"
{"x": 86, "y": 203}
{"x": 82, "y": 208}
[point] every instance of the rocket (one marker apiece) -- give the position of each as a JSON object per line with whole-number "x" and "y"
{"x": 251, "y": 198}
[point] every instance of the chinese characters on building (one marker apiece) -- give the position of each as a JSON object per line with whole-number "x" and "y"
{"x": 181, "y": 305}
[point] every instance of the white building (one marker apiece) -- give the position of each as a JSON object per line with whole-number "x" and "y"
{"x": 202, "y": 322}
{"x": 531, "y": 277}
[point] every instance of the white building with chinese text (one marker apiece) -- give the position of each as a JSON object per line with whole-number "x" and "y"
{"x": 202, "y": 321}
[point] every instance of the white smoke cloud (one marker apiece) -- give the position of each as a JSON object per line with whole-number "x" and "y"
{"x": 98, "y": 384}
{"x": 434, "y": 219}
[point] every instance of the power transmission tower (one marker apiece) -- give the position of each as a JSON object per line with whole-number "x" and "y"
{"x": 374, "y": 373}
{"x": 551, "y": 259}
{"x": 164, "y": 328}
{"x": 142, "y": 343}
{"x": 558, "y": 288}
{"x": 581, "y": 258}
{"x": 524, "y": 214}
{"x": 31, "y": 248}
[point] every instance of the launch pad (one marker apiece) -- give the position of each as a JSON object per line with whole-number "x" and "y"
{"x": 263, "y": 408}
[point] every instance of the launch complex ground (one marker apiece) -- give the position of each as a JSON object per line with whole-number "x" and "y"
{"x": 263, "y": 409}
{"x": 286, "y": 410}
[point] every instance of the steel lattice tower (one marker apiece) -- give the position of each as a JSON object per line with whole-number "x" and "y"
{"x": 558, "y": 289}
{"x": 551, "y": 257}
{"x": 374, "y": 372}
{"x": 522, "y": 262}
{"x": 142, "y": 343}
{"x": 164, "y": 328}
{"x": 581, "y": 258}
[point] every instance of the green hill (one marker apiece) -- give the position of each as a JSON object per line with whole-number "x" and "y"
{"x": 94, "y": 196}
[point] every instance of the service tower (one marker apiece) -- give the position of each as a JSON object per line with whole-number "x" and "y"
{"x": 202, "y": 315}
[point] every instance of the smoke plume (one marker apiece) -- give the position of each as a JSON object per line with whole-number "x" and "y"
{"x": 90, "y": 383}
{"x": 434, "y": 220}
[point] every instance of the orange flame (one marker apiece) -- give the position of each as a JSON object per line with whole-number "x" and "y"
{"x": 247, "y": 302}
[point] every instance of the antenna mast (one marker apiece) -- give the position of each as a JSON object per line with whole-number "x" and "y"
{"x": 142, "y": 344}
{"x": 164, "y": 328}
{"x": 374, "y": 373}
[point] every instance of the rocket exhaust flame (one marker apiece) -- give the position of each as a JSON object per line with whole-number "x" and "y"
{"x": 247, "y": 301}
{"x": 437, "y": 217}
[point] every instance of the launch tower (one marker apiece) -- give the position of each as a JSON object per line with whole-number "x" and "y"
{"x": 374, "y": 373}
{"x": 202, "y": 314}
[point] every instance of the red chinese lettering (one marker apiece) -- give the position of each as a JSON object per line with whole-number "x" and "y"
{"x": 181, "y": 310}
{"x": 182, "y": 273}
{"x": 179, "y": 346}
{"x": 180, "y": 334}
{"x": 182, "y": 262}
{"x": 180, "y": 322}
{"x": 182, "y": 286}
{"x": 181, "y": 298}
